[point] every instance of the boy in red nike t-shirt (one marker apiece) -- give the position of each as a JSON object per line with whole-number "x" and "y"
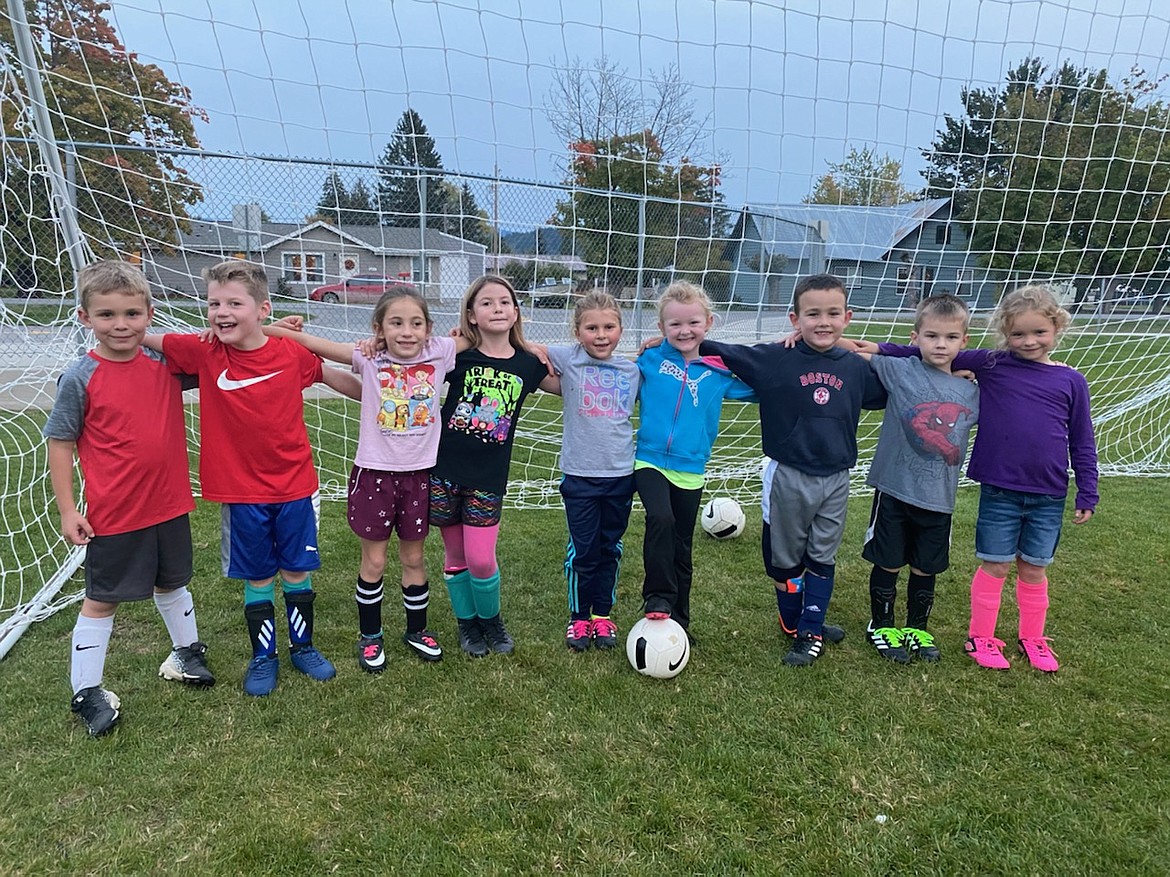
{"x": 254, "y": 457}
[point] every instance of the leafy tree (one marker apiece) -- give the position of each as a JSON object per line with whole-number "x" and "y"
{"x": 341, "y": 206}
{"x": 597, "y": 102}
{"x": 411, "y": 162}
{"x": 963, "y": 153}
{"x": 527, "y": 272}
{"x": 1062, "y": 172}
{"x": 629, "y": 139}
{"x": 864, "y": 178}
{"x": 683, "y": 209}
{"x": 101, "y": 93}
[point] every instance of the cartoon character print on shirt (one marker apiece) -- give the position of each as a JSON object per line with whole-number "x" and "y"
{"x": 407, "y": 396}
{"x": 605, "y": 392}
{"x": 931, "y": 428}
{"x": 487, "y": 403}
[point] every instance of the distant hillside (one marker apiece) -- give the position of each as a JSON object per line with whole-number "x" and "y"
{"x": 525, "y": 241}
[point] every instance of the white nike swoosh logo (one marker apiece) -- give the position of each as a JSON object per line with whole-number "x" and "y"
{"x": 226, "y": 383}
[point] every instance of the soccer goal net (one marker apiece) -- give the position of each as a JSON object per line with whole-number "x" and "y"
{"x": 908, "y": 150}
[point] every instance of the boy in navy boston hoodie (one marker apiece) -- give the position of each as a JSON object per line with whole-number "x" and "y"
{"x": 811, "y": 397}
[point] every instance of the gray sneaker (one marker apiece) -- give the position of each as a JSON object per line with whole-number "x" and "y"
{"x": 471, "y": 638}
{"x": 188, "y": 665}
{"x": 98, "y": 708}
{"x": 497, "y": 635}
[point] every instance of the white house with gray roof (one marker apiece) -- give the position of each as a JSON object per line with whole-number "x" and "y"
{"x": 315, "y": 254}
{"x": 888, "y": 257}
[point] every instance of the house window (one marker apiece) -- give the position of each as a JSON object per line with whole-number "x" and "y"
{"x": 852, "y": 278}
{"x": 304, "y": 267}
{"x": 420, "y": 269}
{"x": 965, "y": 282}
{"x": 910, "y": 284}
{"x": 942, "y": 234}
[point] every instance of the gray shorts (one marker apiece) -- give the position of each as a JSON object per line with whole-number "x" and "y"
{"x": 806, "y": 515}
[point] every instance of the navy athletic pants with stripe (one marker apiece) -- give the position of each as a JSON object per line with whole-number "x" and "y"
{"x": 598, "y": 511}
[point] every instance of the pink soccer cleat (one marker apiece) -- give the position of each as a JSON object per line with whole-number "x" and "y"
{"x": 1039, "y": 655}
{"x": 987, "y": 651}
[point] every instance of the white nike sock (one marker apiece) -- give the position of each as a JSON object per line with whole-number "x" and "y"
{"x": 91, "y": 638}
{"x": 177, "y": 609}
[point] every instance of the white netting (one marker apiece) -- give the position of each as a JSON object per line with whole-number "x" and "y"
{"x": 966, "y": 148}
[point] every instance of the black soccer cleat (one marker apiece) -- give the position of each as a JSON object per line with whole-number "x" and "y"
{"x": 806, "y": 648}
{"x": 98, "y": 708}
{"x": 188, "y": 664}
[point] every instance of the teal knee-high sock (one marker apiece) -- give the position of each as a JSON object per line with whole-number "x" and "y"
{"x": 487, "y": 595}
{"x": 459, "y": 593}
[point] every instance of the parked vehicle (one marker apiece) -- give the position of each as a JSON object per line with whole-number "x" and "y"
{"x": 553, "y": 296}
{"x": 359, "y": 289}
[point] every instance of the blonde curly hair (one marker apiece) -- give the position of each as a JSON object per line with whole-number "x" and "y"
{"x": 1037, "y": 297}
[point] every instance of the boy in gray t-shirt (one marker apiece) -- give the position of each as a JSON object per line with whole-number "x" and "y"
{"x": 597, "y": 457}
{"x": 915, "y": 475}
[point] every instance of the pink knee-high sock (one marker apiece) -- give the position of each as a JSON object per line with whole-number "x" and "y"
{"x": 453, "y": 557}
{"x": 1033, "y": 602}
{"x": 479, "y": 549}
{"x": 986, "y": 591}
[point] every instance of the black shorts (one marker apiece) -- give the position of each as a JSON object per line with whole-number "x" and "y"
{"x": 129, "y": 566}
{"x": 901, "y": 534}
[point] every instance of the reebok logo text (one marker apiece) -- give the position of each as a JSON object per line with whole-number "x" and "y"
{"x": 226, "y": 383}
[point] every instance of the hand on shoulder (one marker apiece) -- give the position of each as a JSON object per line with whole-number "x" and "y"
{"x": 858, "y": 345}
{"x": 656, "y": 341}
{"x": 369, "y": 347}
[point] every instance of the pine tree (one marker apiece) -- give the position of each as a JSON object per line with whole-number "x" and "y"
{"x": 408, "y": 165}
{"x": 341, "y": 206}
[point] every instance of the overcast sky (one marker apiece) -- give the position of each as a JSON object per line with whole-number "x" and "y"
{"x": 789, "y": 84}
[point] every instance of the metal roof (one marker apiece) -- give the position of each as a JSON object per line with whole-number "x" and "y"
{"x": 857, "y": 234}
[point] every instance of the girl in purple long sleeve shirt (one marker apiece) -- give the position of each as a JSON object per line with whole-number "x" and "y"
{"x": 1033, "y": 421}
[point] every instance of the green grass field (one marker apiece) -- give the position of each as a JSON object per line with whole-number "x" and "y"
{"x": 548, "y": 762}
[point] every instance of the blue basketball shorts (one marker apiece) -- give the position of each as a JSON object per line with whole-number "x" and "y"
{"x": 259, "y": 539}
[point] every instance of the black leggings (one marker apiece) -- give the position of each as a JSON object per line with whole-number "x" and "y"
{"x": 666, "y": 550}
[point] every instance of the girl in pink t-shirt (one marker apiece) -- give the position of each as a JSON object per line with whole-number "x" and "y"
{"x": 397, "y": 443}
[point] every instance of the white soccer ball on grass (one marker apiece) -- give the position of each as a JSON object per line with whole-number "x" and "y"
{"x": 658, "y": 647}
{"x": 722, "y": 518}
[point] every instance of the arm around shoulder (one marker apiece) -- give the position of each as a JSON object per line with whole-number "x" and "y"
{"x": 338, "y": 351}
{"x": 551, "y": 384}
{"x": 344, "y": 382}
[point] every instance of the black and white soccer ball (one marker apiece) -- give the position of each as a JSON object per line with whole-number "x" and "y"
{"x": 658, "y": 647}
{"x": 722, "y": 518}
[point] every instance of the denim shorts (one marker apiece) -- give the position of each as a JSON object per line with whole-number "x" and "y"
{"x": 1014, "y": 524}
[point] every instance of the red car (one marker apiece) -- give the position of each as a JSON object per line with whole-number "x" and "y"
{"x": 359, "y": 289}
